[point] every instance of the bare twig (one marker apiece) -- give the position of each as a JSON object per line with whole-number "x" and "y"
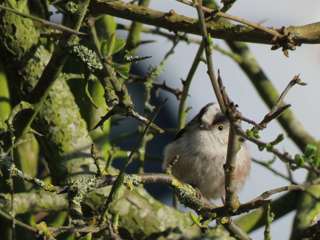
{"x": 207, "y": 46}
{"x": 38, "y": 182}
{"x": 280, "y": 107}
{"x": 179, "y": 23}
{"x": 19, "y": 223}
{"x": 148, "y": 108}
{"x": 153, "y": 74}
{"x": 227, "y": 4}
{"x": 288, "y": 188}
{"x": 248, "y": 120}
{"x": 227, "y": 108}
{"x": 294, "y": 128}
{"x": 163, "y": 86}
{"x": 120, "y": 178}
{"x": 125, "y": 105}
{"x": 160, "y": 32}
{"x": 144, "y": 120}
{"x": 271, "y": 31}
{"x": 44, "y": 22}
{"x": 267, "y": 166}
{"x": 236, "y": 231}
{"x": 284, "y": 156}
{"x": 186, "y": 86}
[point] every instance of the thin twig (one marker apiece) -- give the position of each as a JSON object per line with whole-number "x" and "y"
{"x": 36, "y": 181}
{"x": 165, "y": 34}
{"x": 248, "y": 120}
{"x": 280, "y": 107}
{"x": 133, "y": 38}
{"x": 163, "y": 86}
{"x": 207, "y": 45}
{"x": 227, "y": 4}
{"x": 145, "y": 120}
{"x": 294, "y": 128}
{"x": 148, "y": 108}
{"x": 236, "y": 231}
{"x": 271, "y": 31}
{"x": 120, "y": 178}
{"x": 12, "y": 192}
{"x": 23, "y": 225}
{"x": 124, "y": 105}
{"x": 262, "y": 199}
{"x": 227, "y": 108}
{"x": 274, "y": 171}
{"x": 185, "y": 38}
{"x": 186, "y": 86}
{"x": 44, "y": 22}
{"x": 172, "y": 21}
{"x": 288, "y": 188}
{"x": 153, "y": 74}
{"x": 115, "y": 187}
{"x": 284, "y": 156}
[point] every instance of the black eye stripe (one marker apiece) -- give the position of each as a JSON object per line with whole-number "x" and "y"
{"x": 219, "y": 119}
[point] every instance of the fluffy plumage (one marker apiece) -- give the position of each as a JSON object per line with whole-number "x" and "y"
{"x": 201, "y": 148}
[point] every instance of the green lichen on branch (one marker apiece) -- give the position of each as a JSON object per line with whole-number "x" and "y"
{"x": 64, "y": 134}
{"x": 140, "y": 215}
{"x": 179, "y": 23}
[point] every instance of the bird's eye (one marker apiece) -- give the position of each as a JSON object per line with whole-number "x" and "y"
{"x": 220, "y": 127}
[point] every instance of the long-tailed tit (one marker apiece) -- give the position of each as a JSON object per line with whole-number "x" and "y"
{"x": 200, "y": 151}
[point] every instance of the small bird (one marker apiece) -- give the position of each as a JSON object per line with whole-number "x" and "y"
{"x": 199, "y": 151}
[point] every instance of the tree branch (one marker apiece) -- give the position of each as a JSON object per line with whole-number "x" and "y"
{"x": 178, "y": 23}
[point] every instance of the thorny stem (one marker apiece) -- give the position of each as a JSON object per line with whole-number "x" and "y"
{"x": 170, "y": 20}
{"x": 133, "y": 41}
{"x": 109, "y": 73}
{"x": 148, "y": 84}
{"x": 124, "y": 105}
{"x": 233, "y": 18}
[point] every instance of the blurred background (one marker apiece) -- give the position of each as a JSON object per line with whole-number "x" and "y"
{"x": 280, "y": 69}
